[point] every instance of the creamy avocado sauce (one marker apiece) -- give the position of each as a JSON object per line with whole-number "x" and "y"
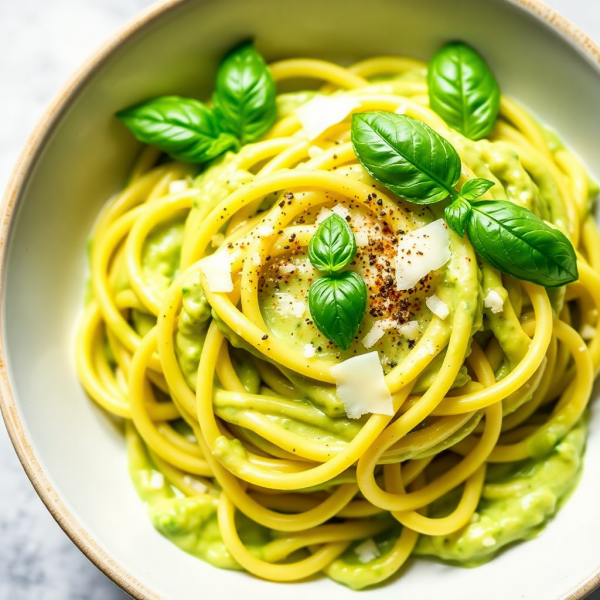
{"x": 516, "y": 504}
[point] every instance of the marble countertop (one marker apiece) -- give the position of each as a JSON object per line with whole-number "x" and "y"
{"x": 43, "y": 42}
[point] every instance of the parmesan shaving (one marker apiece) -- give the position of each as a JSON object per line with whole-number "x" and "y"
{"x": 216, "y": 240}
{"x": 438, "y": 307}
{"x": 287, "y": 268}
{"x": 255, "y": 258}
{"x": 309, "y": 350}
{"x": 420, "y": 252}
{"x": 409, "y": 330}
{"x": 361, "y": 386}
{"x": 264, "y": 230}
{"x": 314, "y": 151}
{"x": 367, "y": 551}
{"x": 288, "y": 305}
{"x": 322, "y": 112}
{"x": 362, "y": 238}
{"x": 338, "y": 209}
{"x": 376, "y": 332}
{"x": 494, "y": 301}
{"x": 217, "y": 270}
{"x": 588, "y": 332}
{"x": 179, "y": 185}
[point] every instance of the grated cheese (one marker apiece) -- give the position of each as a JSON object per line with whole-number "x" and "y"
{"x": 217, "y": 270}
{"x": 494, "y": 301}
{"x": 410, "y": 330}
{"x": 367, "y": 551}
{"x": 309, "y": 350}
{"x": 179, "y": 185}
{"x": 438, "y": 307}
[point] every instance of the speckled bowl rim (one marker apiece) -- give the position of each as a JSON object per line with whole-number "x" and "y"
{"x": 19, "y": 177}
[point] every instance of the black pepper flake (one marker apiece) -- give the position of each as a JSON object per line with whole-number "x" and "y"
{"x": 265, "y": 337}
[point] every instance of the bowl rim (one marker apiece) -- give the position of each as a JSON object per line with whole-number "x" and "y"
{"x": 19, "y": 177}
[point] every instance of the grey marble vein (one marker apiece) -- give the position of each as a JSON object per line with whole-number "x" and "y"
{"x": 42, "y": 43}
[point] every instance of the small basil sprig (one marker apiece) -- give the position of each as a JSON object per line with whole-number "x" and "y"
{"x": 191, "y": 131}
{"x": 337, "y": 300}
{"x": 245, "y": 93}
{"x": 408, "y": 158}
{"x": 184, "y": 128}
{"x": 463, "y": 90}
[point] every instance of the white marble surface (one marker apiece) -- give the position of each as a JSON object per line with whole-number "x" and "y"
{"x": 42, "y": 43}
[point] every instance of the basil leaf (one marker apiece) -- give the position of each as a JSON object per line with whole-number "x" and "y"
{"x": 406, "y": 156}
{"x": 515, "y": 241}
{"x": 184, "y": 128}
{"x": 333, "y": 246}
{"x": 463, "y": 90}
{"x": 337, "y": 305}
{"x": 245, "y": 94}
{"x": 457, "y": 215}
{"x": 474, "y": 188}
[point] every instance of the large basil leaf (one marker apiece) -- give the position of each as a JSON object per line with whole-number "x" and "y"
{"x": 406, "y": 156}
{"x": 184, "y": 128}
{"x": 337, "y": 305}
{"x": 333, "y": 246}
{"x": 245, "y": 94}
{"x": 463, "y": 90}
{"x": 515, "y": 241}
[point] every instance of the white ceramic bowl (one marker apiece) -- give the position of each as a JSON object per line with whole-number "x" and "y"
{"x": 78, "y": 156}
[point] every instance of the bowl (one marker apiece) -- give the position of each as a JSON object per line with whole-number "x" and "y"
{"x": 78, "y": 156}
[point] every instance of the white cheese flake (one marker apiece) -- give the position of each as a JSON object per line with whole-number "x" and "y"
{"x": 322, "y": 112}
{"x": 361, "y": 386}
{"x": 376, "y": 332}
{"x": 494, "y": 301}
{"x": 288, "y": 305}
{"x": 588, "y": 332}
{"x": 196, "y": 484}
{"x": 255, "y": 258}
{"x": 338, "y": 209}
{"x": 438, "y": 307}
{"x": 362, "y": 238}
{"x": 157, "y": 480}
{"x": 410, "y": 330}
{"x": 265, "y": 230}
{"x": 287, "y": 268}
{"x": 420, "y": 252}
{"x": 217, "y": 270}
{"x": 216, "y": 240}
{"x": 367, "y": 551}
{"x": 309, "y": 350}
{"x": 314, "y": 151}
{"x": 179, "y": 185}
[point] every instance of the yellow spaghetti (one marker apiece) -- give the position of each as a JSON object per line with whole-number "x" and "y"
{"x": 237, "y": 439}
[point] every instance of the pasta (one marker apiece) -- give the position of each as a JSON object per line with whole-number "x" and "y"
{"x": 237, "y": 438}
